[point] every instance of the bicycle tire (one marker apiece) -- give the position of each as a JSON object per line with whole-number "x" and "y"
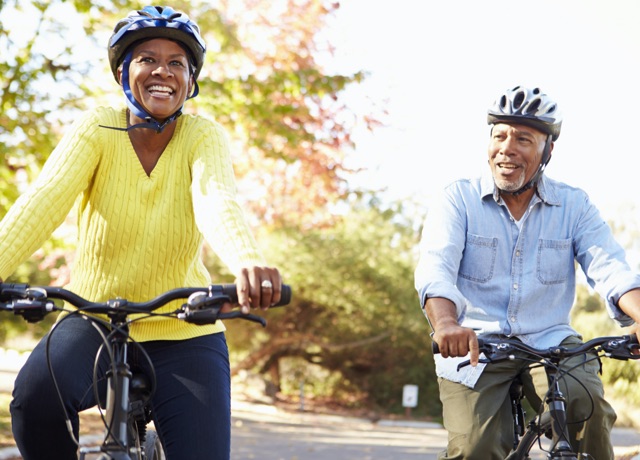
{"x": 153, "y": 446}
{"x": 530, "y": 439}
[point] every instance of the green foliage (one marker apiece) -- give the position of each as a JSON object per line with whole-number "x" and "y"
{"x": 275, "y": 100}
{"x": 42, "y": 269}
{"x": 620, "y": 377}
{"x": 354, "y": 313}
{"x": 354, "y": 329}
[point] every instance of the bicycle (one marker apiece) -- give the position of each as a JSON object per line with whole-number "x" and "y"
{"x": 551, "y": 419}
{"x": 125, "y": 410}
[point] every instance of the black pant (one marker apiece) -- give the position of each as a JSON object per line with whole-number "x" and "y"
{"x": 191, "y": 405}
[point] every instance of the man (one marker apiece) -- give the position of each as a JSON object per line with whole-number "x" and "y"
{"x": 497, "y": 257}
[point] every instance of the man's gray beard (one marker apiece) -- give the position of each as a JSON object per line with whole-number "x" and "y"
{"x": 509, "y": 186}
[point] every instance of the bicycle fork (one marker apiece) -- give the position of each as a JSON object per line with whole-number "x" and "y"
{"x": 117, "y": 409}
{"x": 117, "y": 440}
{"x": 558, "y": 410}
{"x": 517, "y": 411}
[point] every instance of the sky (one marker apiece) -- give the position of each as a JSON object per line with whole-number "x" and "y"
{"x": 439, "y": 65}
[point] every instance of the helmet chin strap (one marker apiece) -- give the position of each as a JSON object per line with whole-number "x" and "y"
{"x": 546, "y": 157}
{"x": 136, "y": 108}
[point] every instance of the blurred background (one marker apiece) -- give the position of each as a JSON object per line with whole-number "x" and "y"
{"x": 345, "y": 117}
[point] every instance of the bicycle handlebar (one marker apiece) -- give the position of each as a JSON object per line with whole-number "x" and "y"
{"x": 202, "y": 307}
{"x": 617, "y": 347}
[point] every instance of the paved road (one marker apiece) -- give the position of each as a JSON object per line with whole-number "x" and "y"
{"x": 264, "y": 433}
{"x": 272, "y": 435}
{"x": 276, "y": 436}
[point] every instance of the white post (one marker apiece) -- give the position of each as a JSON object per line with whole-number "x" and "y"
{"x": 409, "y": 398}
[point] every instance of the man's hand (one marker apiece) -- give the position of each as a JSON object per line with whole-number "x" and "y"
{"x": 629, "y": 303}
{"x": 455, "y": 341}
{"x": 452, "y": 339}
{"x": 635, "y": 329}
{"x": 258, "y": 287}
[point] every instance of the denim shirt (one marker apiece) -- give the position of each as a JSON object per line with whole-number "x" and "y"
{"x": 517, "y": 279}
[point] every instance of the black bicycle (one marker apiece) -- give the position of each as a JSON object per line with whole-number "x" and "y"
{"x": 125, "y": 409}
{"x": 551, "y": 420}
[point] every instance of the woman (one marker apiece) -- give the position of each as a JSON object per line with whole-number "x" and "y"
{"x": 153, "y": 185}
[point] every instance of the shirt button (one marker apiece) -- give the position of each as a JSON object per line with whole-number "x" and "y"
{"x": 517, "y": 253}
{"x": 513, "y": 319}
{"x": 515, "y": 286}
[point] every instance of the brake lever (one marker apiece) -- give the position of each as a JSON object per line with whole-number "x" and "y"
{"x": 492, "y": 355}
{"x": 205, "y": 309}
{"x": 239, "y": 315}
{"x": 622, "y": 349}
{"x": 33, "y": 307}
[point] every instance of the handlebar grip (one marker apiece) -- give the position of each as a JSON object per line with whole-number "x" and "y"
{"x": 435, "y": 348}
{"x": 231, "y": 291}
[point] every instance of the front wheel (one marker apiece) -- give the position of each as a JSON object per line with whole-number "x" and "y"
{"x": 153, "y": 446}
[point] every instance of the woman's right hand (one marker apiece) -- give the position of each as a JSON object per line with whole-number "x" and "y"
{"x": 258, "y": 287}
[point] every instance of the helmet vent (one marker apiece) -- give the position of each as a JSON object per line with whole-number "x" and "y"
{"x": 532, "y": 108}
{"x": 518, "y": 100}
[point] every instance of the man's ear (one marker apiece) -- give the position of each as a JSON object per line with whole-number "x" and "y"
{"x": 120, "y": 75}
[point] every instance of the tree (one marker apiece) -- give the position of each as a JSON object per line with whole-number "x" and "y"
{"x": 590, "y": 319}
{"x": 284, "y": 109}
{"x": 261, "y": 80}
{"x": 354, "y": 330}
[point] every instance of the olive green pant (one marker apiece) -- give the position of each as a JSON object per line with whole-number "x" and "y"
{"x": 479, "y": 420}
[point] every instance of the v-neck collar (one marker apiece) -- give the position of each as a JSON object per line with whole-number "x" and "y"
{"x": 159, "y": 166}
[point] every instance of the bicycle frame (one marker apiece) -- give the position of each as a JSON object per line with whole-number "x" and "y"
{"x": 117, "y": 442}
{"x": 203, "y": 306}
{"x": 557, "y": 405}
{"x": 553, "y": 421}
{"x": 554, "y": 418}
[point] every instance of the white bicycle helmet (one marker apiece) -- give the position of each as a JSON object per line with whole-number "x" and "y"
{"x": 528, "y": 106}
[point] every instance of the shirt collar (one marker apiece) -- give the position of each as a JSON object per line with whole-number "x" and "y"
{"x": 546, "y": 190}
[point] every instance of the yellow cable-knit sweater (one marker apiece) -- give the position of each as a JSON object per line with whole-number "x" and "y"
{"x": 138, "y": 235}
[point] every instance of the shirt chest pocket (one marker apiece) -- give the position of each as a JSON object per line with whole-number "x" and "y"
{"x": 555, "y": 261}
{"x": 479, "y": 258}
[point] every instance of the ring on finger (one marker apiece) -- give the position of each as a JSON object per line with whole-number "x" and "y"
{"x": 266, "y": 284}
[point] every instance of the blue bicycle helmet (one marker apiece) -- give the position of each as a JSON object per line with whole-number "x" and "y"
{"x": 533, "y": 108}
{"x": 146, "y": 24}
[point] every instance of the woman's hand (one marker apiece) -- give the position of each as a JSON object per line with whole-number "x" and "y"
{"x": 258, "y": 287}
